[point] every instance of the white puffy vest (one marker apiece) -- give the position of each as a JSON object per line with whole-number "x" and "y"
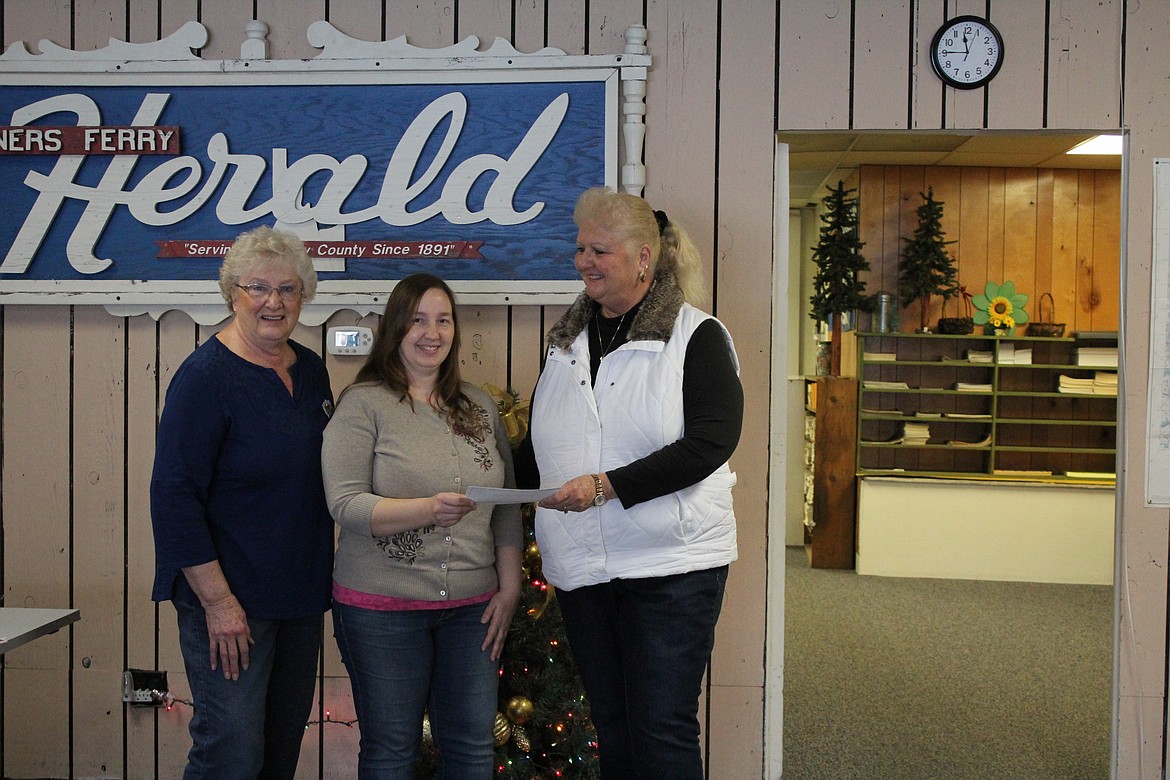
{"x": 635, "y": 408}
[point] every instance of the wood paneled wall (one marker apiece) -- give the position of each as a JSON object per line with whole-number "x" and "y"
{"x": 1048, "y": 230}
{"x": 82, "y": 389}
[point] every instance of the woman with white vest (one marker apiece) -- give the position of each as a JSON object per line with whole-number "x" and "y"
{"x": 634, "y": 417}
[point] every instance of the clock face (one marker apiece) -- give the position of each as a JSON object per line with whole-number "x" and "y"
{"x": 967, "y": 52}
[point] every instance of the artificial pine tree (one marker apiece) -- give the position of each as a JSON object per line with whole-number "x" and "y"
{"x": 545, "y": 729}
{"x": 926, "y": 267}
{"x": 837, "y": 286}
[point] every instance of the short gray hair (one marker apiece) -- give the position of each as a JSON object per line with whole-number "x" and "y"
{"x": 264, "y": 246}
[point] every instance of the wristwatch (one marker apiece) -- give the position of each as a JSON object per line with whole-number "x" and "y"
{"x": 599, "y": 491}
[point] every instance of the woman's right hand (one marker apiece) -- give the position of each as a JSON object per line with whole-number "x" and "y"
{"x": 447, "y": 509}
{"x": 229, "y": 636}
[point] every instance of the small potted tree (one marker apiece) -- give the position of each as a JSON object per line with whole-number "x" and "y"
{"x": 926, "y": 267}
{"x": 837, "y": 288}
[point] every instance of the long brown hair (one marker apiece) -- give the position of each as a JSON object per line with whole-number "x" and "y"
{"x": 384, "y": 365}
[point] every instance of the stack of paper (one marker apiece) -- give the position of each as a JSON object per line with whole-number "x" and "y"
{"x": 915, "y": 433}
{"x": 1102, "y": 383}
{"x": 1010, "y": 355}
{"x": 984, "y": 442}
{"x": 976, "y": 356}
{"x": 879, "y": 357}
{"x": 1105, "y": 357}
{"x": 1105, "y": 383}
{"x": 971, "y": 387}
{"x": 963, "y": 416}
{"x": 877, "y": 384}
{"x": 1075, "y": 385}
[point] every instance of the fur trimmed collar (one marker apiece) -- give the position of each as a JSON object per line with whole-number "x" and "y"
{"x": 654, "y": 321}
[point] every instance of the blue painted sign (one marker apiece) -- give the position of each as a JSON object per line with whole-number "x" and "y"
{"x": 138, "y": 188}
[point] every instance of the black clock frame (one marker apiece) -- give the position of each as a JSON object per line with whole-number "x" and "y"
{"x": 937, "y": 66}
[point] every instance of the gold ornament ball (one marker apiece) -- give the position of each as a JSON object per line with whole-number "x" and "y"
{"x": 501, "y": 730}
{"x": 519, "y": 709}
{"x": 532, "y": 553}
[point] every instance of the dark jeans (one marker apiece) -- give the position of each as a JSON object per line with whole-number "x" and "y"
{"x": 404, "y": 662}
{"x": 251, "y": 727}
{"x": 642, "y": 647}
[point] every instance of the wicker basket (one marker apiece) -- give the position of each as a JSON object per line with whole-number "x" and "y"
{"x": 956, "y": 326}
{"x": 1046, "y": 329}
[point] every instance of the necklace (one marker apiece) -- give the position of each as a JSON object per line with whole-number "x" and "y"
{"x": 616, "y": 331}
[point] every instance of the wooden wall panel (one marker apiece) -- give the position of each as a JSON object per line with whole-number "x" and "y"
{"x": 814, "y": 90}
{"x": 744, "y": 304}
{"x": 98, "y": 535}
{"x": 1046, "y": 230}
{"x": 486, "y": 19}
{"x": 1084, "y": 67}
{"x": 566, "y": 26}
{"x": 288, "y": 21}
{"x": 37, "y": 536}
{"x": 141, "y": 624}
{"x": 428, "y": 23}
{"x": 225, "y": 21}
{"x": 880, "y": 71}
{"x": 1015, "y": 98}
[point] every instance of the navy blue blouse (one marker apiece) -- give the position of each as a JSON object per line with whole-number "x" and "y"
{"x": 237, "y": 478}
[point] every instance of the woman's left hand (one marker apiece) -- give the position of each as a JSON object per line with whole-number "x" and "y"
{"x": 576, "y": 495}
{"x": 498, "y": 616}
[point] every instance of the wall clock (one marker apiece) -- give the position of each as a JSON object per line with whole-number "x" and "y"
{"x": 967, "y": 52}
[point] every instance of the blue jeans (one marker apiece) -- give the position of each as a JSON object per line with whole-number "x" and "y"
{"x": 401, "y": 663}
{"x": 642, "y": 648}
{"x": 251, "y": 727}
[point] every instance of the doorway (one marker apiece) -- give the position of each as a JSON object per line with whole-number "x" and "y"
{"x": 806, "y": 164}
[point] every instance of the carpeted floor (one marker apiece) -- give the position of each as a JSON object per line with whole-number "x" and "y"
{"x": 951, "y": 679}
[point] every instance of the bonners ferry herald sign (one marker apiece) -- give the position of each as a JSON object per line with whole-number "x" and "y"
{"x": 124, "y": 182}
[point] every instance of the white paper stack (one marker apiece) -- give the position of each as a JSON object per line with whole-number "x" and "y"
{"x": 976, "y": 356}
{"x": 1010, "y": 355}
{"x": 1075, "y": 385}
{"x": 877, "y": 384}
{"x": 1105, "y": 383}
{"x": 915, "y": 433}
{"x": 879, "y": 357}
{"x": 1104, "y": 357}
{"x": 972, "y": 387}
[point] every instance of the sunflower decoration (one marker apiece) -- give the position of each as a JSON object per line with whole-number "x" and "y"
{"x": 1000, "y": 306}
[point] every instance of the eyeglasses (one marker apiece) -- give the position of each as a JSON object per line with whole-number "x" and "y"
{"x": 260, "y": 292}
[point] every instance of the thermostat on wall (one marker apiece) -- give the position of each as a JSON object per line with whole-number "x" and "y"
{"x": 349, "y": 341}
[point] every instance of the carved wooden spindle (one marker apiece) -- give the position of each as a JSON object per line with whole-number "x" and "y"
{"x": 634, "y": 114}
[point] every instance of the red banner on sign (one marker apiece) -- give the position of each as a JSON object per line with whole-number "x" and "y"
{"x": 89, "y": 140}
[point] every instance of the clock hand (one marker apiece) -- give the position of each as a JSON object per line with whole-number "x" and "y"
{"x": 966, "y": 46}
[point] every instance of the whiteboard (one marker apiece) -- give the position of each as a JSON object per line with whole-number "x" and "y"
{"x": 1158, "y": 411}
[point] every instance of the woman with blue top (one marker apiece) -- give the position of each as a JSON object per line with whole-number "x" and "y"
{"x": 243, "y": 538}
{"x": 426, "y": 580}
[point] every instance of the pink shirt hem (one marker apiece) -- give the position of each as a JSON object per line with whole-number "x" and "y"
{"x": 355, "y": 598}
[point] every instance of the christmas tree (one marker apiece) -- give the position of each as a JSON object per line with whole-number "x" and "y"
{"x": 543, "y": 728}
{"x": 926, "y": 267}
{"x": 837, "y": 286}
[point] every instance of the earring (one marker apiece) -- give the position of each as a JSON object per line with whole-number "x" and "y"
{"x": 642, "y": 275}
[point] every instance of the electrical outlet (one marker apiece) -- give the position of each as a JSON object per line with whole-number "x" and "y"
{"x": 144, "y": 688}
